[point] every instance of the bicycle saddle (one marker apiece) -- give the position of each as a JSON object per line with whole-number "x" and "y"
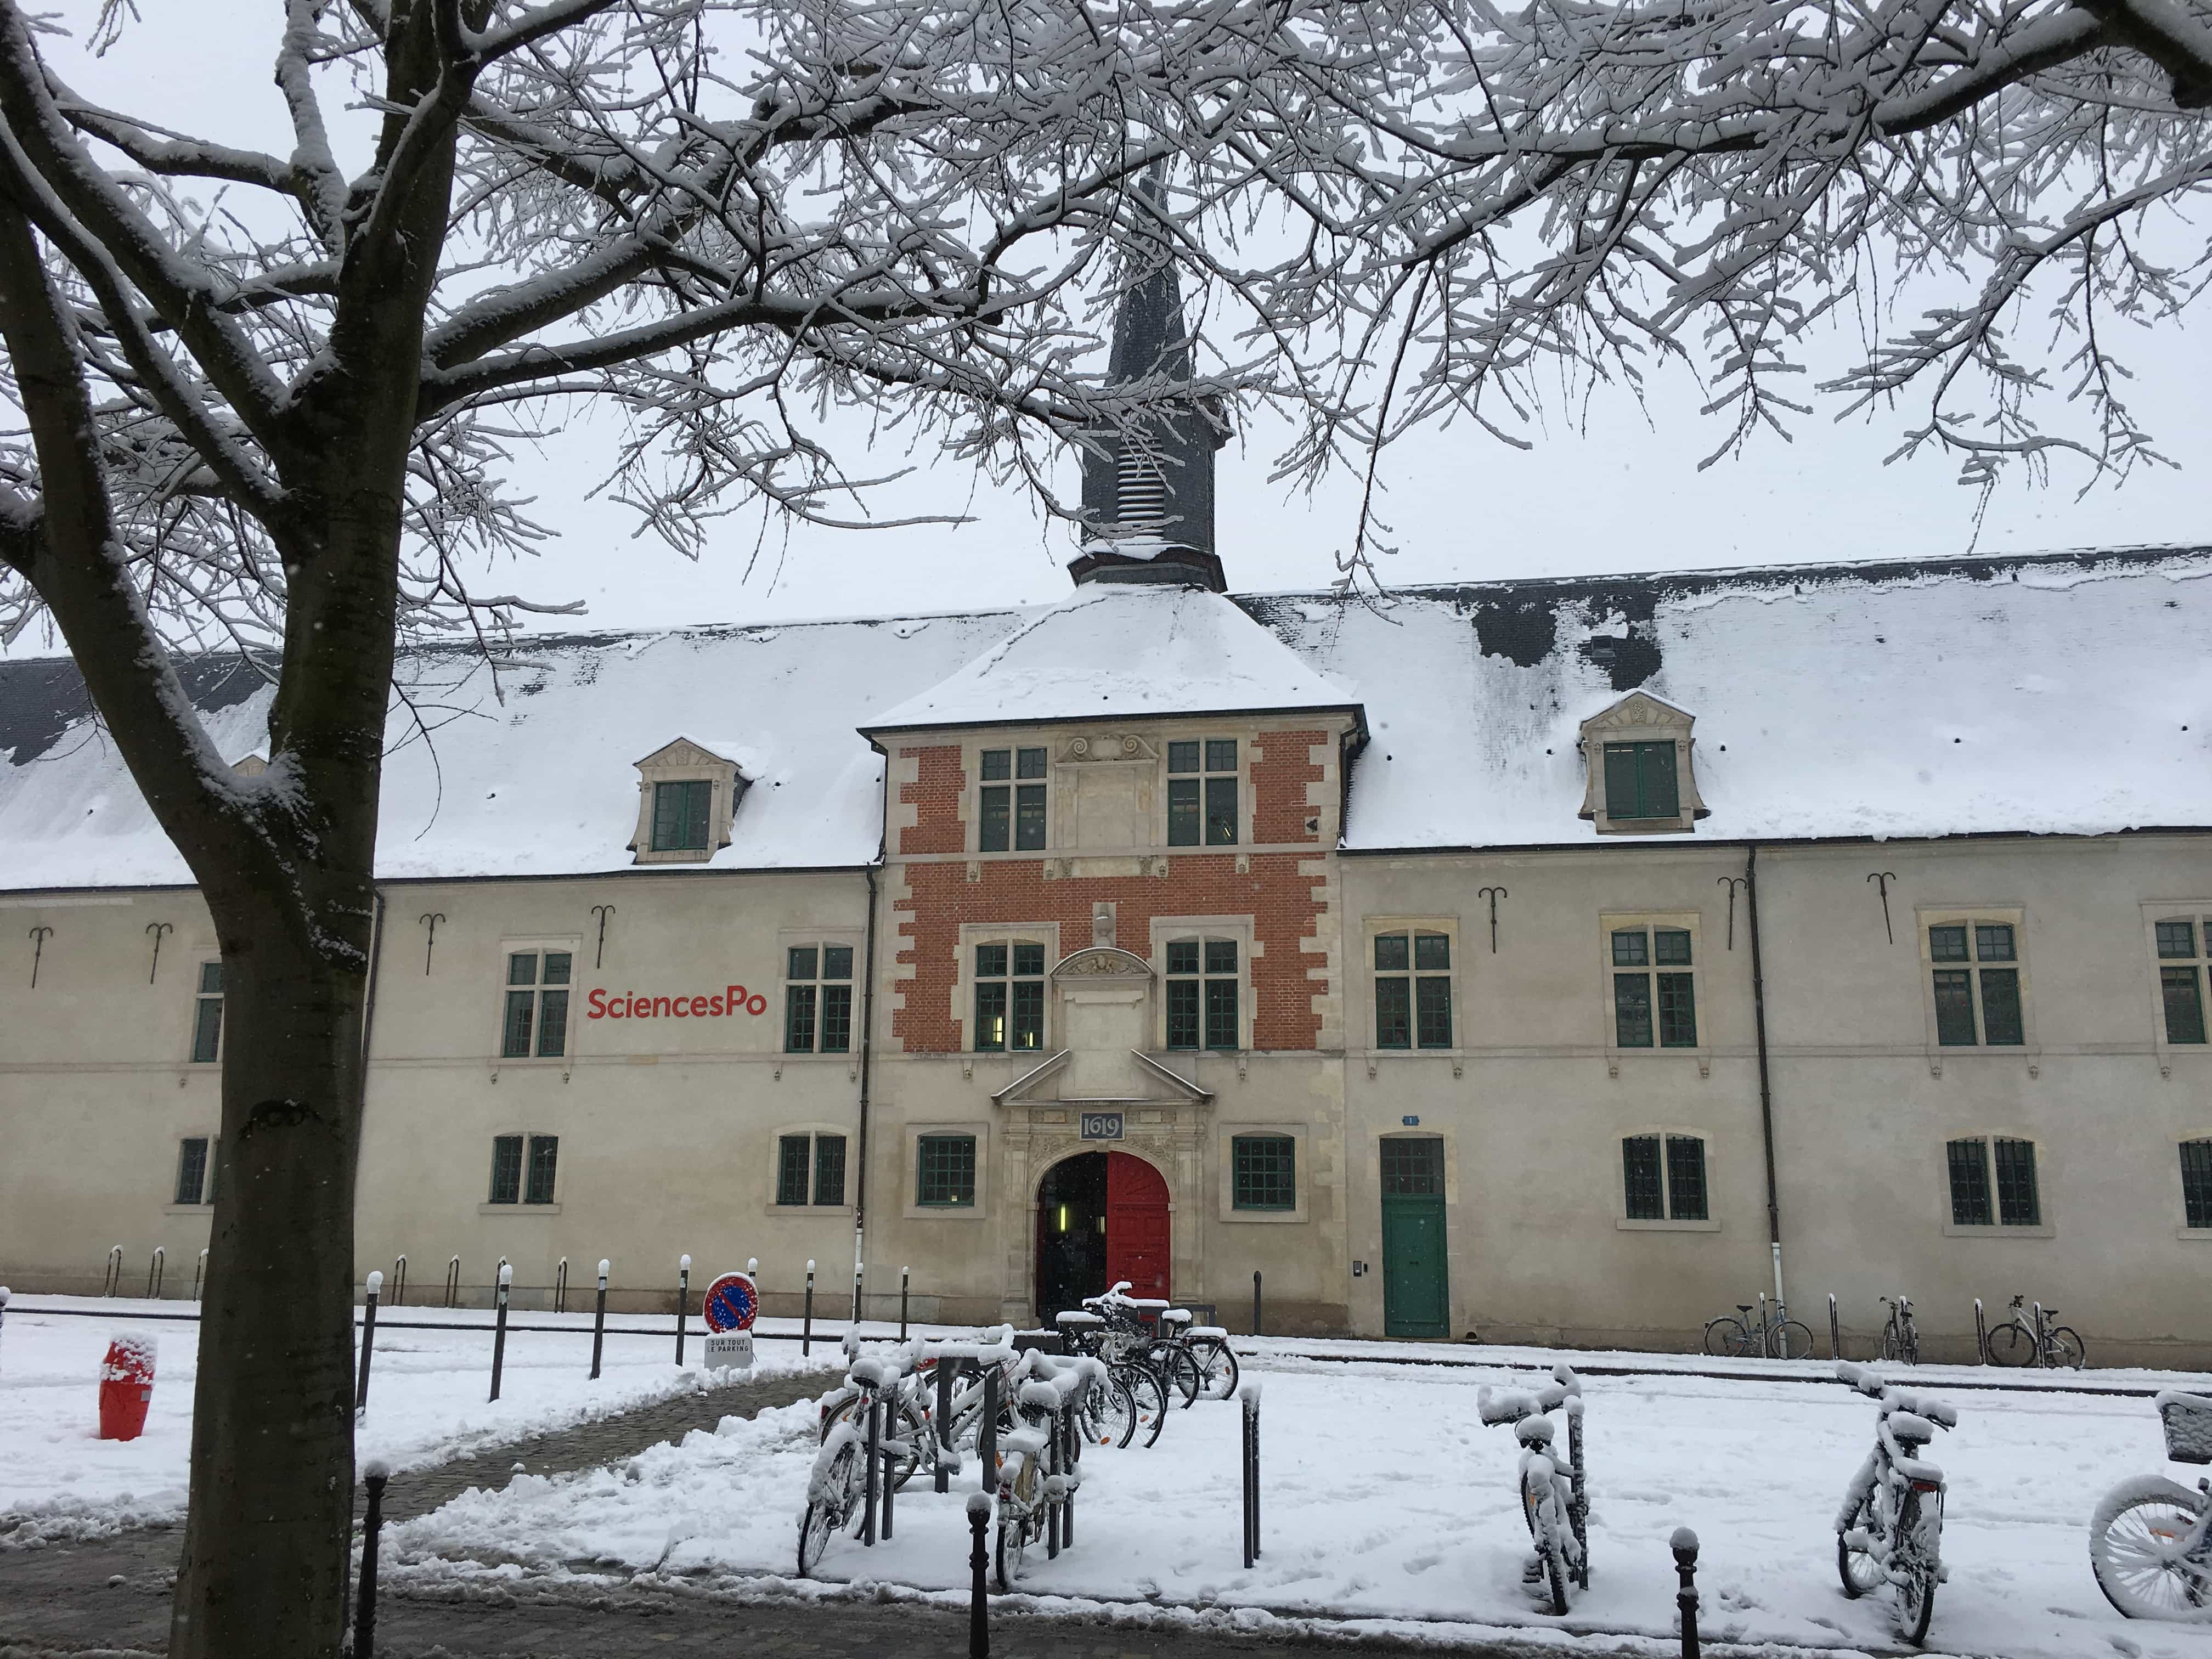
{"x": 1534, "y": 1432}
{"x": 1911, "y": 1429}
{"x": 1743, "y": 1307}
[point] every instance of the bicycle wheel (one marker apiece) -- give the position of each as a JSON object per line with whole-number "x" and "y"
{"x": 1539, "y": 1509}
{"x": 2067, "y": 1349}
{"x": 1182, "y": 1375}
{"x": 1893, "y": 1344}
{"x": 1790, "y": 1340}
{"x": 1855, "y": 1566}
{"x": 1726, "y": 1337}
{"x": 1109, "y": 1415}
{"x": 2009, "y": 1344}
{"x": 1012, "y": 1544}
{"x": 825, "y": 1516}
{"x": 913, "y": 1428}
{"x": 1149, "y": 1398}
{"x": 1216, "y": 1367}
{"x": 1916, "y": 1583}
{"x": 2140, "y": 1538}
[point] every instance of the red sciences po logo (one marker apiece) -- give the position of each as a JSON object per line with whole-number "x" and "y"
{"x": 633, "y": 1005}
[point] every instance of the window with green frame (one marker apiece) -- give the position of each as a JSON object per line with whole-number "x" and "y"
{"x": 1012, "y": 808}
{"x": 1655, "y": 992}
{"x": 1412, "y": 990}
{"x": 1980, "y": 1005}
{"x": 536, "y": 1019}
{"x": 1201, "y": 994}
{"x": 1640, "y": 781}
{"x": 944, "y": 1171}
{"x": 1202, "y": 792}
{"x": 1263, "y": 1172}
{"x": 2018, "y": 1203}
{"x": 207, "y": 1016}
{"x": 680, "y": 815}
{"x": 809, "y": 1168}
{"x": 1664, "y": 1185}
{"x": 2181, "y": 949}
{"x": 817, "y": 1000}
{"x": 2197, "y": 1184}
{"x": 1009, "y": 997}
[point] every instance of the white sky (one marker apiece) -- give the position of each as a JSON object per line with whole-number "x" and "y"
{"x": 1608, "y": 488}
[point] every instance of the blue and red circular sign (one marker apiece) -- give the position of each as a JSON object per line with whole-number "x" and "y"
{"x": 730, "y": 1303}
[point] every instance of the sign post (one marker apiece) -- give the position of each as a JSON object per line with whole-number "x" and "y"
{"x": 729, "y": 1306}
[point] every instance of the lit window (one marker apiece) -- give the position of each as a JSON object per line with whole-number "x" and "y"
{"x": 524, "y": 1168}
{"x": 1201, "y": 980}
{"x": 944, "y": 1171}
{"x": 680, "y": 815}
{"x": 1664, "y": 1176}
{"x": 1413, "y": 991}
{"x": 1263, "y": 1172}
{"x": 1655, "y": 992}
{"x": 206, "y": 1015}
{"x": 1009, "y": 997}
{"x": 2183, "y": 945}
{"x": 1202, "y": 792}
{"x": 1013, "y": 809}
{"x": 1975, "y": 1004}
{"x": 817, "y": 1000}
{"x": 808, "y": 1164}
{"x": 537, "y": 1020}
{"x": 2017, "y": 1204}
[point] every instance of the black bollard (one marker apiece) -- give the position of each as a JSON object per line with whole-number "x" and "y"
{"x": 364, "y": 1618}
{"x": 891, "y": 1485}
{"x": 367, "y": 1342}
{"x": 1685, "y": 1546}
{"x": 1250, "y": 1394}
{"x": 1256, "y": 1301}
{"x": 599, "y": 1319}
{"x": 683, "y": 1300}
{"x": 947, "y": 1370}
{"x": 1068, "y": 1439}
{"x": 978, "y": 1592}
{"x": 987, "y": 1435}
{"x": 499, "y": 1328}
{"x": 1835, "y": 1331}
{"x": 875, "y": 1470}
{"x": 1981, "y": 1335}
{"x": 903, "y": 1273}
{"x": 806, "y": 1322}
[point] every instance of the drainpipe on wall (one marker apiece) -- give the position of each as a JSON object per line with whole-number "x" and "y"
{"x": 1766, "y": 1086}
{"x": 368, "y": 1002}
{"x": 867, "y": 1043}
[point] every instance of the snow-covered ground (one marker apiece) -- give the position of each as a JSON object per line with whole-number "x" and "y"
{"x": 426, "y": 1400}
{"x": 1385, "y": 1499}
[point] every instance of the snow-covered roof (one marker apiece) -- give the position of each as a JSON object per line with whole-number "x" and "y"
{"x": 2064, "y": 692}
{"x": 1119, "y": 652}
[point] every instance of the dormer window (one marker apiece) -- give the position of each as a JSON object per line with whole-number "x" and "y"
{"x": 1637, "y": 756}
{"x": 687, "y": 796}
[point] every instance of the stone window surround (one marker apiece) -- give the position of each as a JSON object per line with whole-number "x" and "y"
{"x": 2046, "y": 1182}
{"x": 1225, "y": 1135}
{"x": 2012, "y": 914}
{"x": 973, "y": 933}
{"x": 1246, "y": 740}
{"x": 856, "y": 938}
{"x": 686, "y": 760}
{"x": 1711, "y": 1223}
{"x": 1239, "y": 928}
{"x": 1448, "y": 926}
{"x": 2153, "y": 912}
{"x": 813, "y": 1129}
{"x": 1690, "y": 922}
{"x": 2182, "y": 1231}
{"x": 910, "y": 1172}
{"x": 574, "y": 945}
{"x": 1640, "y": 717}
{"x": 529, "y": 1132}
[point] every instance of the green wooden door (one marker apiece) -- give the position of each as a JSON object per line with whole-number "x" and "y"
{"x": 1416, "y": 1291}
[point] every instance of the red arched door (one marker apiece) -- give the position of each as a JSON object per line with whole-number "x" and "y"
{"x": 1136, "y": 1225}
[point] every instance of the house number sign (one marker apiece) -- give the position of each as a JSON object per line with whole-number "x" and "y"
{"x": 1101, "y": 1126}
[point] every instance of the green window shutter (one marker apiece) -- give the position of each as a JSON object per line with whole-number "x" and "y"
{"x": 798, "y": 1017}
{"x": 505, "y": 1169}
{"x": 1620, "y": 796}
{"x": 1182, "y": 811}
{"x": 1639, "y": 1175}
{"x": 791, "y": 1169}
{"x": 667, "y": 816}
{"x": 1433, "y": 1009}
{"x": 2183, "y": 992}
{"x": 2018, "y": 1205}
{"x": 1632, "y": 1011}
{"x": 2197, "y": 1183}
{"x": 1263, "y": 1172}
{"x": 2001, "y": 1022}
{"x": 1954, "y": 1009}
{"x": 1686, "y": 1178}
{"x": 829, "y": 1169}
{"x": 1393, "y": 1013}
{"x": 1654, "y": 780}
{"x": 545, "y": 1161}
{"x": 1969, "y": 1183}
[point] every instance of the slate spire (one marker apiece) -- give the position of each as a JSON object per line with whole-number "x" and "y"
{"x": 1148, "y": 486}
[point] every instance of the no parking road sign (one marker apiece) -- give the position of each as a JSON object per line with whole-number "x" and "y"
{"x": 730, "y": 1303}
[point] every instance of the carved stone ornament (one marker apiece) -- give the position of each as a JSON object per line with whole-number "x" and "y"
{"x": 1108, "y": 746}
{"x": 1102, "y": 962}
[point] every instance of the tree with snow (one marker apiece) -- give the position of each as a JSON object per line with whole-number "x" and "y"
{"x": 266, "y": 398}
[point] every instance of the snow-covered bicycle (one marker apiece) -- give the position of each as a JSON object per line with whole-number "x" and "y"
{"x": 839, "y": 1485}
{"x": 1038, "y": 1472}
{"x": 1554, "y": 1494}
{"x": 2150, "y": 1539}
{"x": 1890, "y": 1530}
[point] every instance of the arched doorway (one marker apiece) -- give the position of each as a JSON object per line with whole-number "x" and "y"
{"x": 1101, "y": 1218}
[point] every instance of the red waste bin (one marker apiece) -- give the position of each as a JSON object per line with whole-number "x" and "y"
{"x": 126, "y": 1387}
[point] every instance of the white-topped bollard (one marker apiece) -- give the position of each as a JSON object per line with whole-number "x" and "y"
{"x": 683, "y": 1300}
{"x": 368, "y": 1339}
{"x": 499, "y": 1326}
{"x": 599, "y": 1317}
{"x": 1249, "y": 1394}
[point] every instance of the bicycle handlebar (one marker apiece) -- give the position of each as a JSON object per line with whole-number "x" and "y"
{"x": 1870, "y": 1384}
